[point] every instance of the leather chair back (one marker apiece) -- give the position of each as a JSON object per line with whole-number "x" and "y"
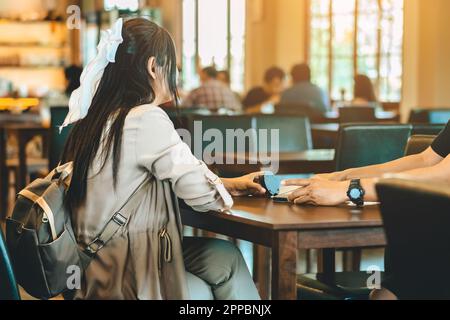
{"x": 427, "y": 129}
{"x": 294, "y": 133}
{"x": 357, "y": 114}
{"x": 416, "y": 221}
{"x": 198, "y": 125}
{"x": 418, "y": 144}
{"x": 364, "y": 145}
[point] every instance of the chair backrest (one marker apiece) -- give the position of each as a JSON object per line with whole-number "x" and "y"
{"x": 294, "y": 133}
{"x": 8, "y": 284}
{"x": 369, "y": 144}
{"x": 418, "y": 144}
{"x": 57, "y": 140}
{"x": 303, "y": 110}
{"x": 357, "y": 114}
{"x": 222, "y": 125}
{"x": 427, "y": 129}
{"x": 432, "y": 116}
{"x": 180, "y": 116}
{"x": 416, "y": 220}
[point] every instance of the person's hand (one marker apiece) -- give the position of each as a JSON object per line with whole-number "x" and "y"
{"x": 318, "y": 192}
{"x": 244, "y": 186}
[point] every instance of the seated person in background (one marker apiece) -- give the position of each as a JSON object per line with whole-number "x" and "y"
{"x": 212, "y": 94}
{"x": 303, "y": 92}
{"x": 331, "y": 189}
{"x": 364, "y": 93}
{"x": 224, "y": 77}
{"x": 268, "y": 93}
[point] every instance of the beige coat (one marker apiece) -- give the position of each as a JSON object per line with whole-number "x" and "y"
{"x": 140, "y": 263}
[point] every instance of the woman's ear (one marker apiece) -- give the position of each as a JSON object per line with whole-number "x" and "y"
{"x": 152, "y": 67}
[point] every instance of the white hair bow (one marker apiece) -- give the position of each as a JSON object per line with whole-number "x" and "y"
{"x": 81, "y": 99}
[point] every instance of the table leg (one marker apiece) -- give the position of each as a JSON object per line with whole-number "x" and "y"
{"x": 261, "y": 270}
{"x": 284, "y": 265}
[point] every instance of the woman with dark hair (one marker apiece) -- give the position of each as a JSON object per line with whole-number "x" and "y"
{"x": 121, "y": 139}
{"x": 364, "y": 93}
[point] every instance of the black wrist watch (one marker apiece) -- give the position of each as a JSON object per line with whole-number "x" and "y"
{"x": 356, "y": 192}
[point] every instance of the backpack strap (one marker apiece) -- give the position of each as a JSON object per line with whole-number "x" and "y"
{"x": 117, "y": 221}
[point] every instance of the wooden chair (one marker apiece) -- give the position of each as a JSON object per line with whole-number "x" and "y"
{"x": 23, "y": 166}
{"x": 416, "y": 221}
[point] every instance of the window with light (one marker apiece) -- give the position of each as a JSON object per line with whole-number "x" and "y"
{"x": 213, "y": 34}
{"x": 349, "y": 37}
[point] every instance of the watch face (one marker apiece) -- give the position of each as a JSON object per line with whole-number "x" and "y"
{"x": 355, "y": 194}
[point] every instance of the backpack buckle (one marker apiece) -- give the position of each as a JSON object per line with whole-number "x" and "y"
{"x": 119, "y": 219}
{"x": 94, "y": 246}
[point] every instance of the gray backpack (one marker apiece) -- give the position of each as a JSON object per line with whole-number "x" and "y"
{"x": 41, "y": 239}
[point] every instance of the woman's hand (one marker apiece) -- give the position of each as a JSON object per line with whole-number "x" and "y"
{"x": 244, "y": 186}
{"x": 318, "y": 192}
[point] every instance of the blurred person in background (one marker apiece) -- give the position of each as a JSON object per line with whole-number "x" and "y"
{"x": 224, "y": 77}
{"x": 304, "y": 92}
{"x": 269, "y": 92}
{"x": 212, "y": 93}
{"x": 364, "y": 93}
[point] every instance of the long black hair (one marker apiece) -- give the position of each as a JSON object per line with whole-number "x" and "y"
{"x": 125, "y": 84}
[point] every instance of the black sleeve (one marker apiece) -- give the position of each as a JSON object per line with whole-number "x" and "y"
{"x": 441, "y": 144}
{"x": 255, "y": 97}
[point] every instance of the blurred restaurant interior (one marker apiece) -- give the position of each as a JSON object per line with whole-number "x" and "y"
{"x": 381, "y": 63}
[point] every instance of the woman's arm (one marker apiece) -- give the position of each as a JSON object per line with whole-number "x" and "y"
{"x": 244, "y": 186}
{"x": 425, "y": 159}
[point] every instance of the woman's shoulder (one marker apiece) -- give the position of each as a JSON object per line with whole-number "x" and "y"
{"x": 142, "y": 115}
{"x": 148, "y": 110}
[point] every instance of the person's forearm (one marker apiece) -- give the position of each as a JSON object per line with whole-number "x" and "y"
{"x": 439, "y": 173}
{"x": 376, "y": 171}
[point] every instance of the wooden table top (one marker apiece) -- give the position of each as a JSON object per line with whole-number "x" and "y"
{"x": 266, "y": 214}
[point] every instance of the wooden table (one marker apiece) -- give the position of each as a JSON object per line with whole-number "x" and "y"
{"x": 311, "y": 161}
{"x": 284, "y": 228}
